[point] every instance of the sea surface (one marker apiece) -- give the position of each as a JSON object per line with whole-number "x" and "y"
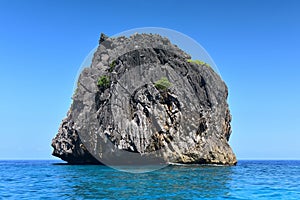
{"x": 54, "y": 180}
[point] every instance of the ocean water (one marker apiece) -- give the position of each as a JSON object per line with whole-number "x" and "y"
{"x": 247, "y": 180}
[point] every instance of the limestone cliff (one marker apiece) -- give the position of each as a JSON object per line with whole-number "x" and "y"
{"x": 142, "y": 100}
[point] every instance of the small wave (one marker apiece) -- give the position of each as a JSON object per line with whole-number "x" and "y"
{"x": 194, "y": 164}
{"x": 177, "y": 164}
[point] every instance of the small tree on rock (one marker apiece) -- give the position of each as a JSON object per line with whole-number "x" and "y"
{"x": 163, "y": 84}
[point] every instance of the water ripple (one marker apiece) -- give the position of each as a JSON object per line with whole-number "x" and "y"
{"x": 247, "y": 180}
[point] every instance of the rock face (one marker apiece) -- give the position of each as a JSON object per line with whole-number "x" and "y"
{"x": 143, "y": 101}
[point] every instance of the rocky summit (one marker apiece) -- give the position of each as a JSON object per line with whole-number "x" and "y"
{"x": 144, "y": 101}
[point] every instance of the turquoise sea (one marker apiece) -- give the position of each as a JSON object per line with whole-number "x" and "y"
{"x": 247, "y": 180}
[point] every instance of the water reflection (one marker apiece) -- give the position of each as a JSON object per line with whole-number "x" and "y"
{"x": 170, "y": 182}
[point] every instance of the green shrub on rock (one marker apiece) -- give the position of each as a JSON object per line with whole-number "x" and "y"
{"x": 162, "y": 84}
{"x": 112, "y": 65}
{"x": 103, "y": 81}
{"x": 198, "y": 62}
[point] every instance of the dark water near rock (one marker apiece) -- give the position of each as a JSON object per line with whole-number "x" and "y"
{"x": 247, "y": 180}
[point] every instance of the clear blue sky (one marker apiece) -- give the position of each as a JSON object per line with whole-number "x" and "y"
{"x": 255, "y": 44}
